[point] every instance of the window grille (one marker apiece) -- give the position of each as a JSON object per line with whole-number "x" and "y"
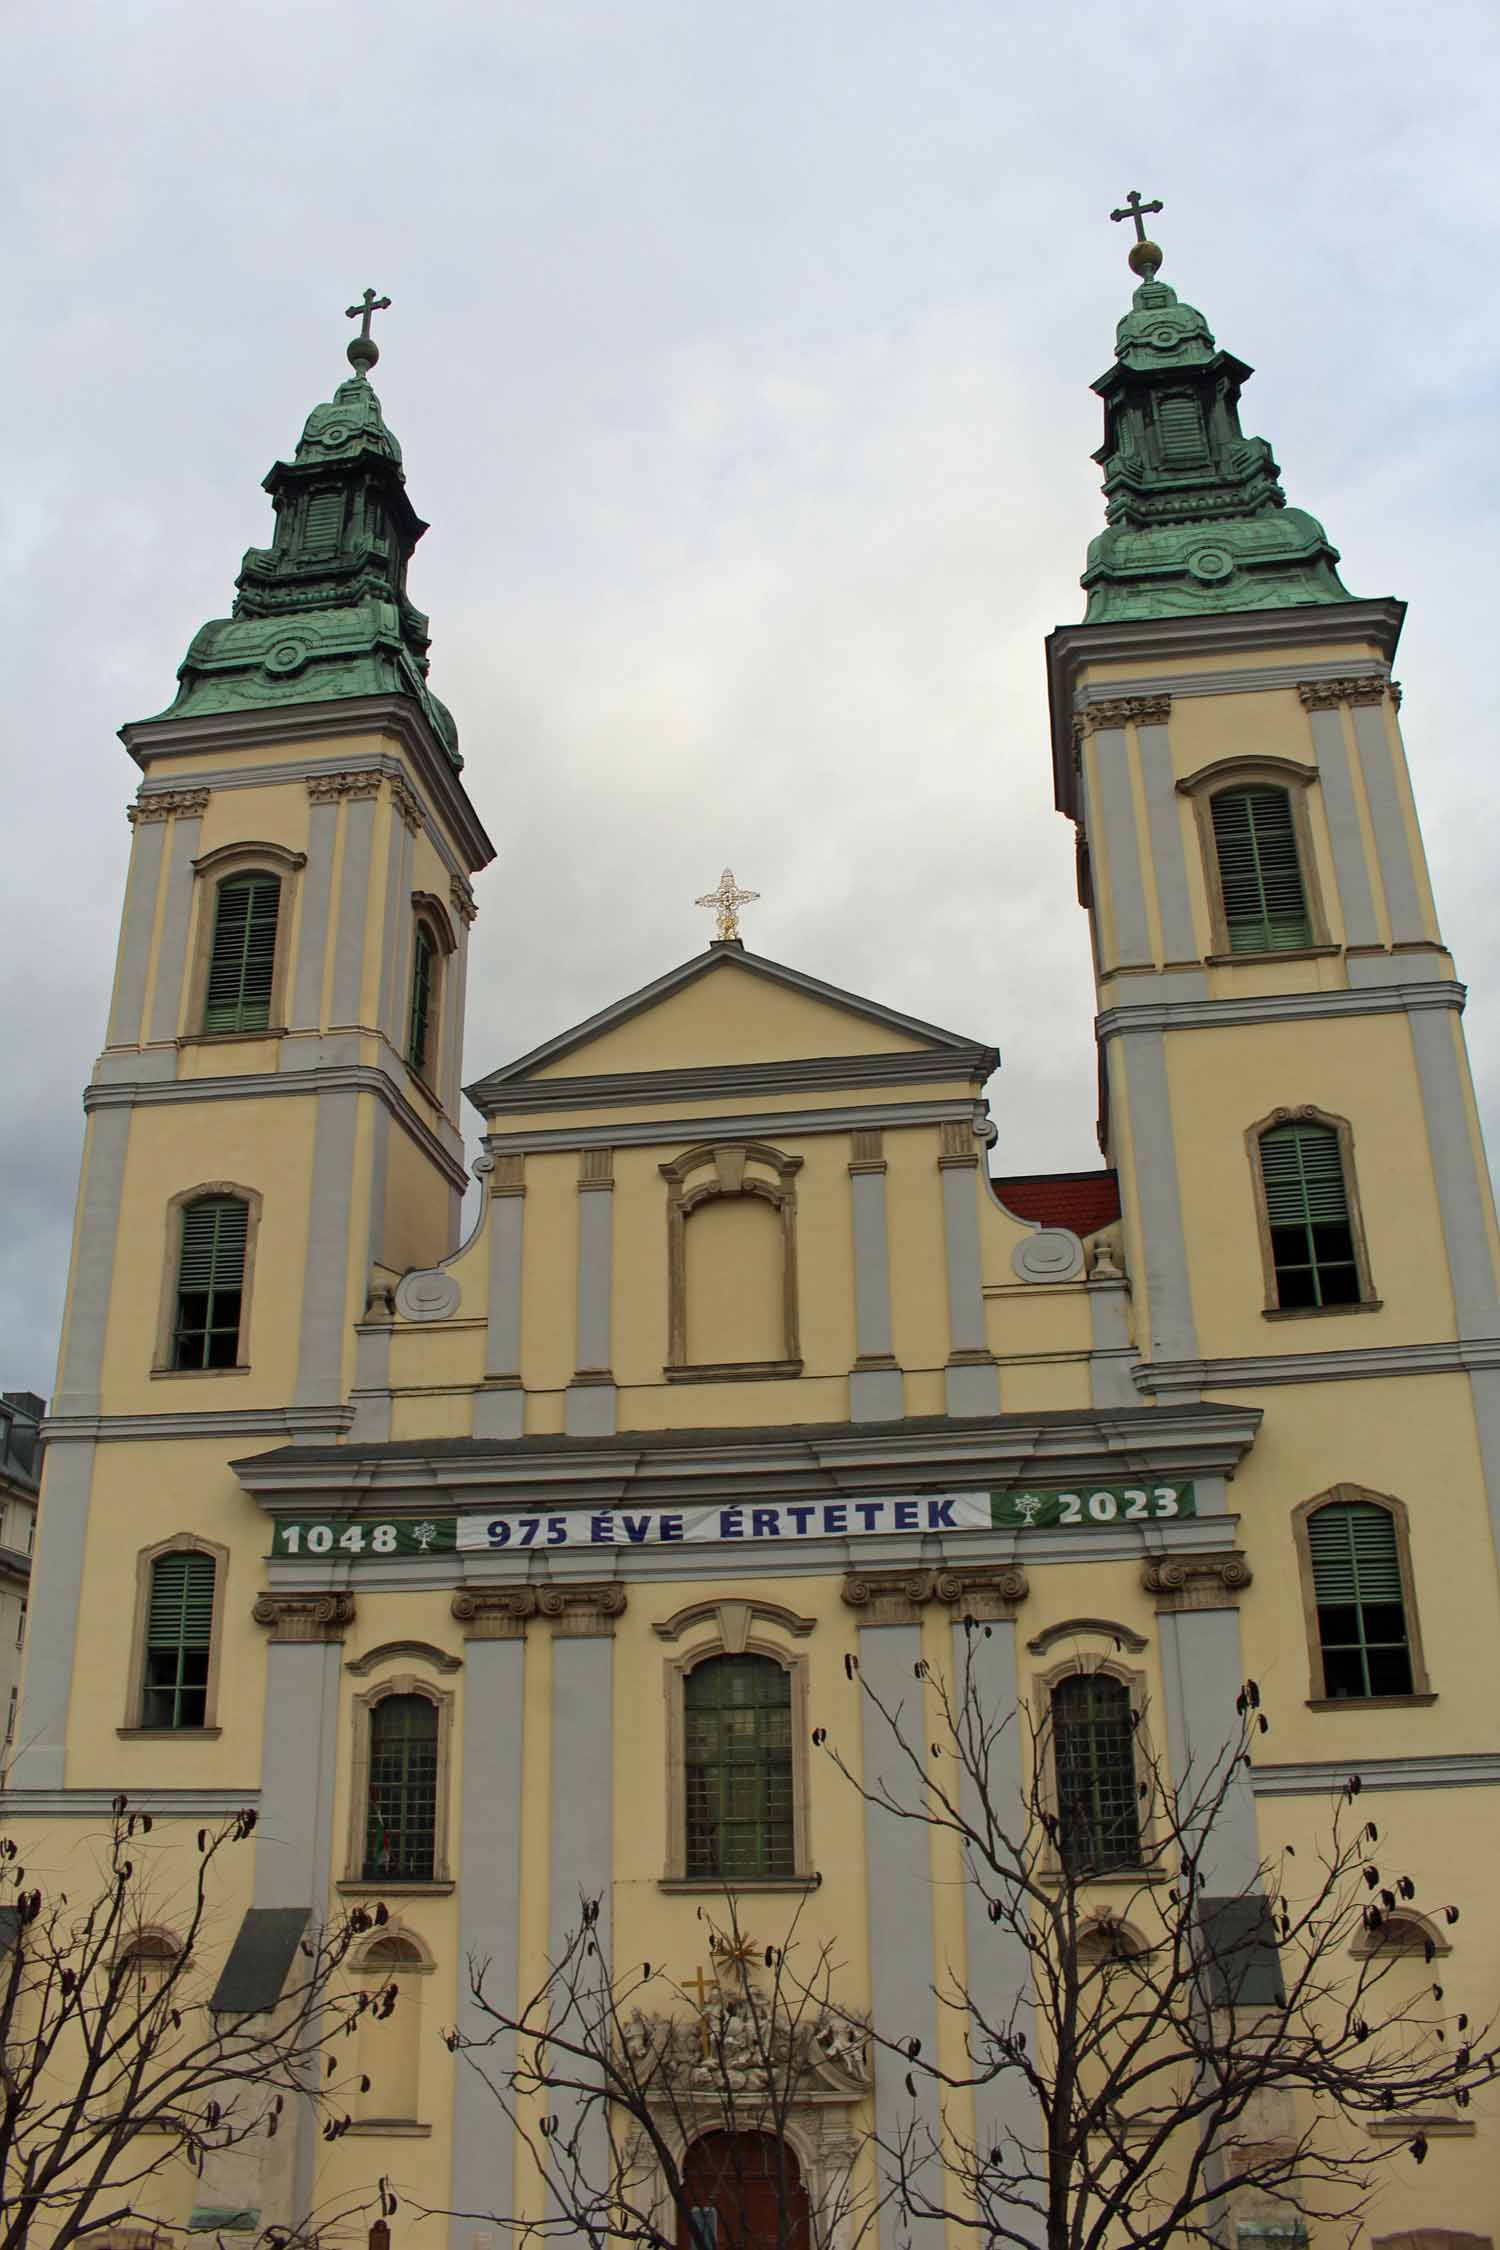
{"x": 1093, "y": 1746}
{"x": 738, "y": 1728}
{"x": 210, "y": 1282}
{"x": 243, "y": 958}
{"x": 419, "y": 1029}
{"x": 1255, "y": 838}
{"x": 179, "y": 1637}
{"x": 1307, "y": 1211}
{"x": 1356, "y": 1565}
{"x": 401, "y": 1815}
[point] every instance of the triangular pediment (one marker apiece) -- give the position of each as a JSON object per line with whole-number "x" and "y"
{"x": 729, "y": 1011}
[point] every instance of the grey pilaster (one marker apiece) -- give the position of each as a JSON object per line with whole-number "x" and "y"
{"x": 177, "y": 910}
{"x": 1202, "y": 1674}
{"x": 51, "y": 1640}
{"x": 875, "y": 1385}
{"x": 898, "y": 1876}
{"x": 500, "y": 1408}
{"x": 1344, "y": 831}
{"x": 312, "y": 936}
{"x": 1442, "y": 1074}
{"x": 455, "y": 996}
{"x": 972, "y": 1377}
{"x": 372, "y": 1383}
{"x": 325, "y": 1285}
{"x": 1484, "y": 1391}
{"x": 1111, "y": 1354}
{"x": 396, "y": 935}
{"x": 82, "y": 1363}
{"x": 1164, "y": 825}
{"x": 1154, "y": 1158}
{"x": 1115, "y": 825}
{"x": 997, "y": 1979}
{"x": 354, "y": 894}
{"x": 489, "y": 1892}
{"x": 589, "y": 1404}
{"x": 136, "y": 925}
{"x": 1384, "y": 796}
{"x": 582, "y": 1837}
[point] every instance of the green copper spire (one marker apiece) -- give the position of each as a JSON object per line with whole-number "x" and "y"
{"x": 323, "y": 613}
{"x": 1198, "y": 522}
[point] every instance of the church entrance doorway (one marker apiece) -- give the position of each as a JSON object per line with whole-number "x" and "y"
{"x": 747, "y": 2194}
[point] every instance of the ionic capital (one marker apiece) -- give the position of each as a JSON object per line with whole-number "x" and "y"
{"x": 304, "y": 1617}
{"x": 1125, "y": 710}
{"x": 1182, "y": 1582}
{"x": 191, "y": 803}
{"x": 578, "y": 1612}
{"x": 494, "y": 1613}
{"x": 327, "y": 788}
{"x": 1327, "y": 695}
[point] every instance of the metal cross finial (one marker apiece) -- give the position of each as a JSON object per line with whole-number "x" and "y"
{"x": 726, "y": 902}
{"x": 363, "y": 349}
{"x": 1137, "y": 210}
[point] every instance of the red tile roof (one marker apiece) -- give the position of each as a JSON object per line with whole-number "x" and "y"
{"x": 1081, "y": 1201}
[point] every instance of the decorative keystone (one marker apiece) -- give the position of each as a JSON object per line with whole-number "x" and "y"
{"x": 304, "y": 1617}
{"x": 1181, "y": 1582}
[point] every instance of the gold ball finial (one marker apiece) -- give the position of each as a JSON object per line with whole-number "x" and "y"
{"x": 1145, "y": 258}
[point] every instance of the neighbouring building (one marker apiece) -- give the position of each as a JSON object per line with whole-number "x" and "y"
{"x": 471, "y": 1563}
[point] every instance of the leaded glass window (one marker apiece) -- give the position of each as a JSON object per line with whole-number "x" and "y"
{"x": 738, "y": 1742}
{"x": 1356, "y": 1566}
{"x": 419, "y": 1029}
{"x": 1260, "y": 878}
{"x": 1093, "y": 1747}
{"x": 1307, "y": 1211}
{"x": 179, "y": 1641}
{"x": 210, "y": 1282}
{"x": 242, "y": 960}
{"x": 401, "y": 1815}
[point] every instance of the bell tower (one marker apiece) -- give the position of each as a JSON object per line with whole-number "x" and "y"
{"x": 273, "y": 1126}
{"x": 1284, "y": 1087}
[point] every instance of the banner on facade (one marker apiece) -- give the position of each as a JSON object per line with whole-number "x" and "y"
{"x": 781, "y": 1523}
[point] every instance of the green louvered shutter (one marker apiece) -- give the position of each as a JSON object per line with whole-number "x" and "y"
{"x": 419, "y": 1029}
{"x": 243, "y": 958}
{"x": 1255, "y": 837}
{"x": 179, "y": 1637}
{"x": 1356, "y": 1564}
{"x": 1179, "y": 418}
{"x": 325, "y": 520}
{"x": 210, "y": 1283}
{"x": 1307, "y": 1210}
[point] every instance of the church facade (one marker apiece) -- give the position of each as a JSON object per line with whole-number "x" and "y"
{"x": 475, "y": 1565}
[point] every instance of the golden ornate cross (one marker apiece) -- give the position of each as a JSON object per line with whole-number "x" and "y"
{"x": 701, "y": 1988}
{"x": 726, "y": 902}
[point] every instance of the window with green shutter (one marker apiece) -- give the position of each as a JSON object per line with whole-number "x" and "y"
{"x": 1260, "y": 877}
{"x": 179, "y": 1639}
{"x": 1362, "y": 1631}
{"x": 401, "y": 1813}
{"x": 1307, "y": 1211}
{"x": 737, "y": 1713}
{"x": 419, "y": 1026}
{"x": 242, "y": 961}
{"x": 1093, "y": 1749}
{"x": 210, "y": 1282}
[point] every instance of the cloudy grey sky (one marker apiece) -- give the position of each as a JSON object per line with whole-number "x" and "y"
{"x": 740, "y": 354}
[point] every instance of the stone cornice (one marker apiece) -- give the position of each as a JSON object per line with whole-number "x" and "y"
{"x": 759, "y": 1125}
{"x": 1183, "y": 1582}
{"x": 1453, "y": 1769}
{"x": 725, "y": 1081}
{"x": 1337, "y": 1365}
{"x": 304, "y": 1617}
{"x": 1279, "y": 1007}
{"x": 160, "y": 804}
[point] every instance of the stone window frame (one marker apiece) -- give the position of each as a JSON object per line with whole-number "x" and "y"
{"x": 179, "y": 1543}
{"x": 728, "y": 1160}
{"x": 429, "y": 914}
{"x": 1318, "y": 1699}
{"x": 1308, "y": 1113}
{"x": 354, "y": 1884}
{"x": 425, "y": 1965}
{"x": 1147, "y": 1868}
{"x": 729, "y": 1630}
{"x": 210, "y": 869}
{"x": 1245, "y": 772}
{"x": 166, "y": 1312}
{"x": 1424, "y": 1931}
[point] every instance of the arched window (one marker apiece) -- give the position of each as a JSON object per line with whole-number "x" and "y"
{"x": 1312, "y": 1241}
{"x": 1363, "y": 1640}
{"x": 401, "y": 1807}
{"x": 744, "y": 2191}
{"x": 422, "y": 1019}
{"x": 178, "y": 1640}
{"x": 1093, "y": 1750}
{"x": 210, "y": 1282}
{"x": 1260, "y": 874}
{"x": 242, "y": 957}
{"x": 738, "y": 1769}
